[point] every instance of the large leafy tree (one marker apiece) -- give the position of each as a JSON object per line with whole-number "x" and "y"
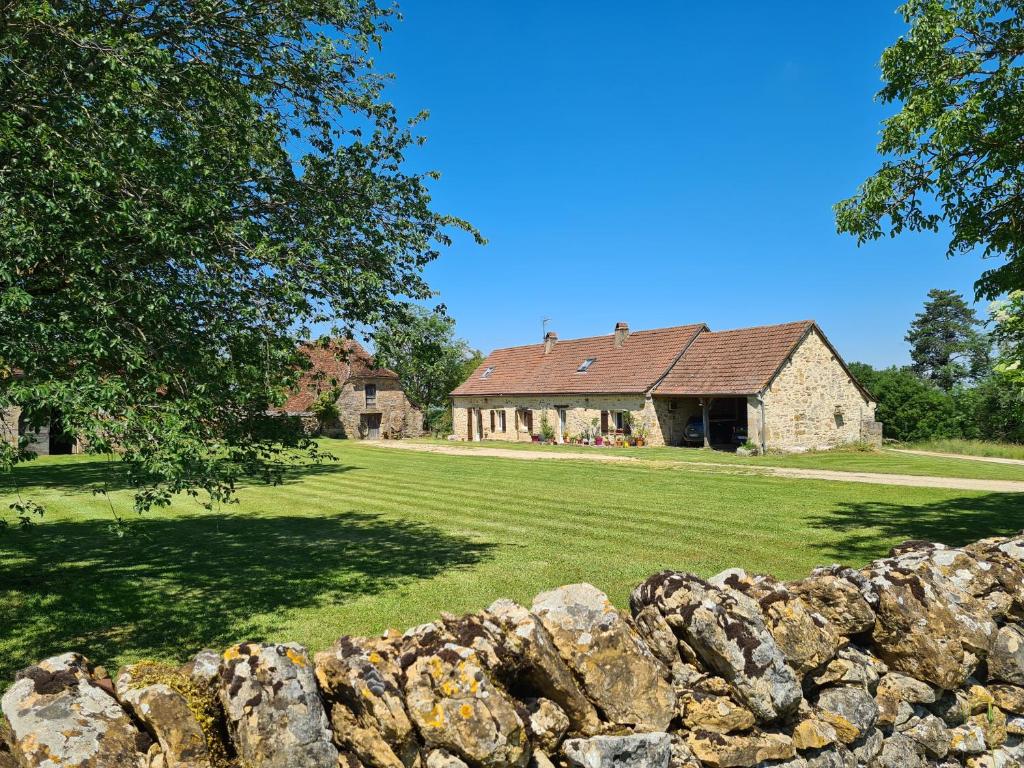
{"x": 954, "y": 152}
{"x": 431, "y": 361}
{"x": 186, "y": 188}
{"x": 946, "y": 344}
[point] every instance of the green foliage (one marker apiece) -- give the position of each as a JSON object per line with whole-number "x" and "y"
{"x": 547, "y": 432}
{"x": 186, "y": 187}
{"x": 945, "y": 342}
{"x": 910, "y": 408}
{"x": 325, "y": 407}
{"x": 421, "y": 347}
{"x": 953, "y": 152}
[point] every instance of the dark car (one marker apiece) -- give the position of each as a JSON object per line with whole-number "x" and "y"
{"x": 693, "y": 432}
{"x": 721, "y": 432}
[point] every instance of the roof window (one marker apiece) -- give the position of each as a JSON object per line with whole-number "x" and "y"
{"x": 585, "y": 365}
{"x": 487, "y": 372}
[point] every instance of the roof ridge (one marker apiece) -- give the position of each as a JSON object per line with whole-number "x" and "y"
{"x": 766, "y": 325}
{"x": 604, "y": 336}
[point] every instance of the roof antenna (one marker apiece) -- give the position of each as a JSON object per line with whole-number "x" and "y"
{"x": 544, "y": 327}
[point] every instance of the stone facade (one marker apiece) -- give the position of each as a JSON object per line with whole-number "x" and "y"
{"x": 39, "y": 440}
{"x": 915, "y": 660}
{"x": 357, "y": 412}
{"x": 813, "y": 403}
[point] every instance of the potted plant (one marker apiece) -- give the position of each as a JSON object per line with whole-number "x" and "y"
{"x": 547, "y": 432}
{"x": 641, "y": 431}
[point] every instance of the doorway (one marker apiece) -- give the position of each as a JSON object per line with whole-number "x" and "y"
{"x": 562, "y": 423}
{"x": 371, "y": 425}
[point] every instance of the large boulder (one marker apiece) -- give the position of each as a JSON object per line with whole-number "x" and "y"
{"x": 642, "y": 750}
{"x": 926, "y": 626}
{"x": 529, "y": 653}
{"x": 619, "y": 674}
{"x": 361, "y": 681}
{"x": 182, "y": 715}
{"x": 1006, "y": 661}
{"x": 60, "y": 715}
{"x": 273, "y": 708}
{"x": 740, "y": 750}
{"x": 728, "y": 633}
{"x": 458, "y": 708}
{"x": 835, "y": 593}
{"x": 804, "y": 636}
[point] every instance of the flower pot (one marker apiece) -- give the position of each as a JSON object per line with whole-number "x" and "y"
{"x": 598, "y": 441}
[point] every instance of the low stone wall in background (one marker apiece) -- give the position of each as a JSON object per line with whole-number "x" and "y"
{"x": 915, "y": 660}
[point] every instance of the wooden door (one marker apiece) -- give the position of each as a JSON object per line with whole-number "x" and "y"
{"x": 372, "y": 421}
{"x": 469, "y": 424}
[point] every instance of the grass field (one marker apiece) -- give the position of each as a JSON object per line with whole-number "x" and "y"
{"x": 850, "y": 460}
{"x": 391, "y": 538}
{"x": 973, "y": 448}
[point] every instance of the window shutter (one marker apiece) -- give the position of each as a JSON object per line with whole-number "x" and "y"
{"x": 604, "y": 421}
{"x": 492, "y": 421}
{"x": 529, "y": 421}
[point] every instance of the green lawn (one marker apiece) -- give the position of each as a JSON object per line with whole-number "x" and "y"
{"x": 391, "y": 538}
{"x": 850, "y": 460}
{"x": 972, "y": 448}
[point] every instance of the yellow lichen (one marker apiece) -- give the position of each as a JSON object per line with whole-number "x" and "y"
{"x": 201, "y": 703}
{"x": 297, "y": 658}
{"x": 466, "y": 711}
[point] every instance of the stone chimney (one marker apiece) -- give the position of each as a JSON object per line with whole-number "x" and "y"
{"x": 550, "y": 339}
{"x": 621, "y": 332}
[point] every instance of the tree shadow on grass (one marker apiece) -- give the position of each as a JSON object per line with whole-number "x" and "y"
{"x": 180, "y": 584}
{"x": 868, "y": 529}
{"x": 86, "y": 475}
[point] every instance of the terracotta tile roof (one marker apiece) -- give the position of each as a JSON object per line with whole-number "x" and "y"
{"x": 332, "y": 365}
{"x": 634, "y": 367}
{"x": 739, "y": 362}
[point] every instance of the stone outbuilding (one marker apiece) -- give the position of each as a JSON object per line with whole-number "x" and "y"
{"x": 776, "y": 387}
{"x": 363, "y": 401}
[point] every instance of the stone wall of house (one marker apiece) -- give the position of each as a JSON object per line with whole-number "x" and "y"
{"x": 9, "y": 425}
{"x": 915, "y": 660}
{"x": 399, "y": 417}
{"x": 813, "y": 404}
{"x": 581, "y": 410}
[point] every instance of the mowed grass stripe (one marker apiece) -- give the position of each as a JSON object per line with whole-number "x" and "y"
{"x": 390, "y": 538}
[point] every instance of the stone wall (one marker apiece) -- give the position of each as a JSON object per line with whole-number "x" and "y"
{"x": 813, "y": 404}
{"x": 915, "y": 660}
{"x": 581, "y": 410}
{"x": 399, "y": 417}
{"x": 9, "y": 425}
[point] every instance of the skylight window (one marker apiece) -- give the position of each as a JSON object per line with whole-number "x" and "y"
{"x": 585, "y": 365}
{"x": 487, "y": 372}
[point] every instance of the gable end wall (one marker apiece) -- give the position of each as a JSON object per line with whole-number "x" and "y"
{"x": 802, "y": 401}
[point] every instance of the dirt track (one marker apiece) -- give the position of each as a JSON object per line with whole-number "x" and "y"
{"x": 873, "y": 478}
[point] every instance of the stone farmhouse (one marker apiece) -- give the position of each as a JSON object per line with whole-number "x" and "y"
{"x": 784, "y": 387}
{"x": 369, "y": 401}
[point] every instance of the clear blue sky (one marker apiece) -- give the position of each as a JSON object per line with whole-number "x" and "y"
{"x": 661, "y": 164}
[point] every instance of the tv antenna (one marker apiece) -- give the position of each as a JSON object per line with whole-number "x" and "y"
{"x": 544, "y": 327}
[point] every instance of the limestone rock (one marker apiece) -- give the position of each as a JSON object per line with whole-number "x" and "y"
{"x": 273, "y": 708}
{"x": 720, "y": 751}
{"x": 646, "y": 750}
{"x": 833, "y": 593}
{"x": 359, "y": 678}
{"x": 682, "y": 755}
{"x": 618, "y": 672}
{"x": 850, "y": 710}
{"x": 167, "y": 702}
{"x": 729, "y": 636}
{"x": 895, "y": 689}
{"x": 1006, "y": 660}
{"x": 60, "y": 716}
{"x": 968, "y": 739}
{"x": 925, "y": 627}
{"x": 851, "y": 666}
{"x": 1009, "y": 698}
{"x": 835, "y": 756}
{"x": 546, "y": 725}
{"x": 992, "y": 725}
{"x": 716, "y": 714}
{"x": 899, "y": 751}
{"x": 531, "y": 655}
{"x": 930, "y": 733}
{"x": 814, "y": 734}
{"x": 805, "y": 637}
{"x": 456, "y": 707}
{"x": 440, "y": 758}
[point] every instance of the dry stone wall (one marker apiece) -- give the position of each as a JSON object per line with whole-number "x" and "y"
{"x": 915, "y": 660}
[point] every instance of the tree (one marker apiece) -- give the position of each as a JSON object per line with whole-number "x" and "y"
{"x": 945, "y": 344}
{"x": 185, "y": 189}
{"x": 909, "y": 408}
{"x": 955, "y": 150}
{"x": 421, "y": 347}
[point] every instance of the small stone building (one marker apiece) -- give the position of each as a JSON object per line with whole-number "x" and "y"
{"x": 369, "y": 401}
{"x": 783, "y": 387}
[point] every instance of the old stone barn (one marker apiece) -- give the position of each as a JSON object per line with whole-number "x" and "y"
{"x": 344, "y": 394}
{"x": 781, "y": 387}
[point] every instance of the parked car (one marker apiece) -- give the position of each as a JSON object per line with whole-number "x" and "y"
{"x": 721, "y": 432}
{"x": 693, "y": 432}
{"x": 739, "y": 434}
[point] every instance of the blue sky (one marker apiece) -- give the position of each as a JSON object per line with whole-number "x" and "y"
{"x": 661, "y": 164}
